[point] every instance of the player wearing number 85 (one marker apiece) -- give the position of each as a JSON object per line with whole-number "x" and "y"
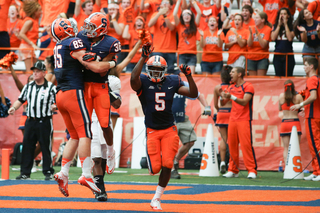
{"x": 68, "y": 55}
{"x": 156, "y": 92}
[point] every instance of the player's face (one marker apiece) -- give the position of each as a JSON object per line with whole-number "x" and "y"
{"x": 212, "y": 23}
{"x": 238, "y": 21}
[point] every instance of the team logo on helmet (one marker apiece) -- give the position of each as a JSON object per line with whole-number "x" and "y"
{"x": 95, "y": 25}
{"x": 156, "y": 68}
{"x": 62, "y": 28}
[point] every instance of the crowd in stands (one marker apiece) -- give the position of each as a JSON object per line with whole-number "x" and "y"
{"x": 179, "y": 28}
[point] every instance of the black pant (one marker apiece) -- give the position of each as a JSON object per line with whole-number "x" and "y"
{"x": 279, "y": 63}
{"x": 37, "y": 130}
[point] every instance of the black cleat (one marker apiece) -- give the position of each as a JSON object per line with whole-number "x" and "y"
{"x": 175, "y": 174}
{"x": 48, "y": 177}
{"x": 101, "y": 196}
{"x": 23, "y": 177}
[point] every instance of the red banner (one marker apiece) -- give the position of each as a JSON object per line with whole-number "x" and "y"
{"x": 265, "y": 124}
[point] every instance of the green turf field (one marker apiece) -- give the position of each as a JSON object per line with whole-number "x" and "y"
{"x": 142, "y": 175}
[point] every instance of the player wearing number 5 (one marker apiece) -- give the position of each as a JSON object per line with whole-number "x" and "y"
{"x": 68, "y": 54}
{"x": 239, "y": 129}
{"x": 156, "y": 92}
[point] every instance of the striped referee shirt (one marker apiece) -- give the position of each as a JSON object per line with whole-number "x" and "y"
{"x": 39, "y": 98}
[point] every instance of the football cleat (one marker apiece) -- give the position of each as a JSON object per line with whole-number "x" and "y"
{"x": 101, "y": 196}
{"x": 175, "y": 174}
{"x": 156, "y": 204}
{"x": 252, "y": 175}
{"x": 111, "y": 163}
{"x": 223, "y": 167}
{"x": 310, "y": 177}
{"x": 62, "y": 181}
{"x": 90, "y": 183}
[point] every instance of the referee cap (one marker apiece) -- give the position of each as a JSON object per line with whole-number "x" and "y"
{"x": 39, "y": 65}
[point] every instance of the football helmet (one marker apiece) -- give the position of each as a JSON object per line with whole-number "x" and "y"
{"x": 62, "y": 28}
{"x": 95, "y": 25}
{"x": 156, "y": 68}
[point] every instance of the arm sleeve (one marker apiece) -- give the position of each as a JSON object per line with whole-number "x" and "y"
{"x": 23, "y": 95}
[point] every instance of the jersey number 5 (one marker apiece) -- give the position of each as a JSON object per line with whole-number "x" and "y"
{"x": 161, "y": 103}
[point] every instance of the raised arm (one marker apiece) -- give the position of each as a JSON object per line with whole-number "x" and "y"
{"x": 129, "y": 57}
{"x": 16, "y": 79}
{"x": 198, "y": 16}
{"x": 175, "y": 13}
{"x": 192, "y": 91}
{"x": 135, "y": 80}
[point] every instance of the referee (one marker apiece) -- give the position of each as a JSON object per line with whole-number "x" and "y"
{"x": 41, "y": 97}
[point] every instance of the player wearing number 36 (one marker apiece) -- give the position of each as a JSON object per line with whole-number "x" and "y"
{"x": 156, "y": 91}
{"x": 69, "y": 62}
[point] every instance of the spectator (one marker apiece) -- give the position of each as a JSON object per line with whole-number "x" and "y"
{"x": 4, "y": 36}
{"x": 148, "y": 8}
{"x": 41, "y": 96}
{"x": 207, "y": 10}
{"x": 248, "y": 21}
{"x": 302, "y": 4}
{"x": 83, "y": 11}
{"x": 239, "y": 129}
{"x": 312, "y": 115}
{"x": 283, "y": 35}
{"x": 133, "y": 37}
{"x": 211, "y": 40}
{"x": 271, "y": 8}
{"x": 187, "y": 29}
{"x": 115, "y": 29}
{"x": 258, "y": 42}
{"x": 14, "y": 26}
{"x": 51, "y": 10}
{"x": 236, "y": 40}
{"x": 164, "y": 34}
{"x": 307, "y": 30}
{"x": 222, "y": 117}
{"x": 129, "y": 13}
{"x": 314, "y": 8}
{"x": 29, "y": 32}
{"x": 290, "y": 118}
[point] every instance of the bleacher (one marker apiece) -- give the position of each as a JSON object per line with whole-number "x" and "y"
{"x": 297, "y": 47}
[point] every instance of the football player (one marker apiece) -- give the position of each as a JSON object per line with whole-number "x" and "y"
{"x": 156, "y": 91}
{"x": 103, "y": 47}
{"x": 68, "y": 54}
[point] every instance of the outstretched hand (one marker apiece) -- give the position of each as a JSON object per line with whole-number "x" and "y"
{"x": 185, "y": 69}
{"x": 147, "y": 49}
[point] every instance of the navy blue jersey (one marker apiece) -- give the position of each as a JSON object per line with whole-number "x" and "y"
{"x": 102, "y": 48}
{"x": 68, "y": 70}
{"x": 156, "y": 100}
